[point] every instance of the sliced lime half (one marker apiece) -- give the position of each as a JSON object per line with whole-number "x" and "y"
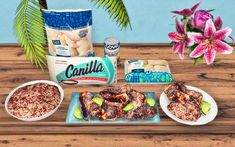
{"x": 205, "y": 107}
{"x": 150, "y": 101}
{"x": 128, "y": 107}
{"x": 78, "y": 113}
{"x": 98, "y": 101}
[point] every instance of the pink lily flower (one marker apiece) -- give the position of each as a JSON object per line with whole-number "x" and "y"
{"x": 210, "y": 42}
{"x": 180, "y": 39}
{"x": 187, "y": 11}
{"x": 218, "y": 23}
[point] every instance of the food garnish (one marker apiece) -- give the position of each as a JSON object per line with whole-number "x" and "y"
{"x": 205, "y": 107}
{"x": 150, "y": 101}
{"x": 98, "y": 101}
{"x": 78, "y": 113}
{"x": 128, "y": 107}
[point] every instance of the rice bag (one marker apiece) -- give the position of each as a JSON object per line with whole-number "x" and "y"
{"x": 69, "y": 32}
{"x": 82, "y": 70}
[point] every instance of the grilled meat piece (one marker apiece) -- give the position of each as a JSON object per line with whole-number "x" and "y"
{"x": 111, "y": 111}
{"x": 88, "y": 106}
{"x": 176, "y": 86}
{"x": 171, "y": 91}
{"x": 116, "y": 94}
{"x": 120, "y": 98}
{"x": 120, "y": 95}
{"x": 195, "y": 96}
{"x": 180, "y": 96}
{"x": 177, "y": 91}
{"x": 138, "y": 98}
{"x": 115, "y": 98}
{"x": 188, "y": 111}
{"x": 141, "y": 113}
{"x": 115, "y": 90}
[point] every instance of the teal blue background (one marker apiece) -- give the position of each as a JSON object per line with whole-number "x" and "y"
{"x": 151, "y": 19}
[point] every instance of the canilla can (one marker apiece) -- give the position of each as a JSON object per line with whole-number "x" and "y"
{"x": 112, "y": 48}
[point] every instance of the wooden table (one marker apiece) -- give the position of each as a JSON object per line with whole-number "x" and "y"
{"x": 218, "y": 80}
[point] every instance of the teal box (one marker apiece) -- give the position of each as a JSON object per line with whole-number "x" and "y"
{"x": 147, "y": 72}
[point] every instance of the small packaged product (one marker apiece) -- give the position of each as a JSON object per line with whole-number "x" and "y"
{"x": 82, "y": 70}
{"x": 112, "y": 48}
{"x": 69, "y": 32}
{"x": 147, "y": 72}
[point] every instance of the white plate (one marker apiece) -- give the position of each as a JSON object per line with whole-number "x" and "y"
{"x": 204, "y": 119}
{"x": 30, "y": 83}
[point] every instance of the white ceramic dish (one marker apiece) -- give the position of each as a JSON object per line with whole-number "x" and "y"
{"x": 30, "y": 83}
{"x": 204, "y": 119}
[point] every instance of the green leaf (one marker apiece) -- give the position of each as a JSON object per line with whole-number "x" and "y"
{"x": 117, "y": 11}
{"x": 192, "y": 48}
{"x": 197, "y": 60}
{"x": 30, "y": 32}
{"x": 210, "y": 10}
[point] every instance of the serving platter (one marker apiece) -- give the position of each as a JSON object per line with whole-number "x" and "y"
{"x": 75, "y": 103}
{"x": 204, "y": 119}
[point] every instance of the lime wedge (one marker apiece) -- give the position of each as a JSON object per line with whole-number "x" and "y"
{"x": 128, "y": 107}
{"x": 98, "y": 101}
{"x": 205, "y": 107}
{"x": 78, "y": 113}
{"x": 150, "y": 101}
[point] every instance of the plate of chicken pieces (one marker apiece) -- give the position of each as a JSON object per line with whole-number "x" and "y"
{"x": 187, "y": 104}
{"x": 117, "y": 104}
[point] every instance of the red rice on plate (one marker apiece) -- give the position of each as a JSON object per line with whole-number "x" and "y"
{"x": 34, "y": 100}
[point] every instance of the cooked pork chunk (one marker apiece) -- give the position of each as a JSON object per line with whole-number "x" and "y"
{"x": 141, "y": 113}
{"x": 88, "y": 106}
{"x": 177, "y": 91}
{"x": 111, "y": 111}
{"x": 114, "y": 100}
{"x": 117, "y": 94}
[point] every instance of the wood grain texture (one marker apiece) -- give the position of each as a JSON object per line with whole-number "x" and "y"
{"x": 217, "y": 79}
{"x": 204, "y": 140}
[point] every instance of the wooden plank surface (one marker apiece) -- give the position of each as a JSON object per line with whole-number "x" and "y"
{"x": 218, "y": 80}
{"x": 205, "y": 140}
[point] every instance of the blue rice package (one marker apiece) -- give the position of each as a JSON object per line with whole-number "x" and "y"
{"x": 69, "y": 32}
{"x": 147, "y": 72}
{"x": 82, "y": 70}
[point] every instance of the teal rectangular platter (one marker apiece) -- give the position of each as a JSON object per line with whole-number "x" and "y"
{"x": 75, "y": 103}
